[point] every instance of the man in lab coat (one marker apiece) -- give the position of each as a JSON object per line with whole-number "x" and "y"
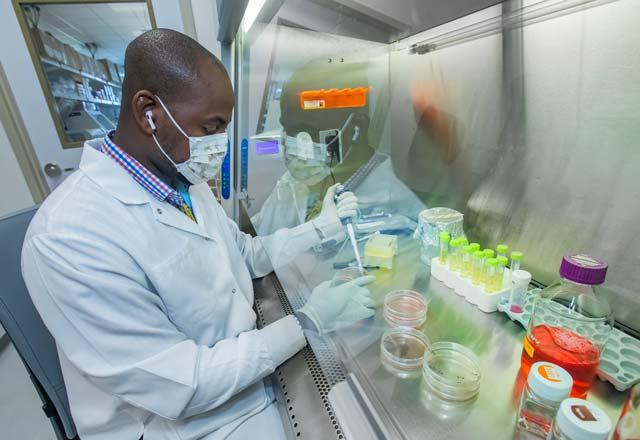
{"x": 297, "y": 195}
{"x": 145, "y": 284}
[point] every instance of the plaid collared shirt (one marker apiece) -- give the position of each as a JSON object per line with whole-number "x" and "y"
{"x": 140, "y": 174}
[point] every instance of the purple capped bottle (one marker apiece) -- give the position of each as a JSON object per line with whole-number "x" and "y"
{"x": 570, "y": 323}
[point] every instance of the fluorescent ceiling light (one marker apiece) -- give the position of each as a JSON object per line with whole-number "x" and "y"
{"x": 251, "y": 13}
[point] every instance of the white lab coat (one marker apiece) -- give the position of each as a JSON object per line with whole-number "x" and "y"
{"x": 285, "y": 207}
{"x": 152, "y": 312}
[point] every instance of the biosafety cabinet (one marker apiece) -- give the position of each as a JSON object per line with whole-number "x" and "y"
{"x": 524, "y": 116}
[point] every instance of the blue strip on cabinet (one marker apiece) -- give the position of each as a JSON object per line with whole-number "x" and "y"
{"x": 244, "y": 164}
{"x": 225, "y": 177}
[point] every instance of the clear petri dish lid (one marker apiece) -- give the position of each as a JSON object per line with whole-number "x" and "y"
{"x": 405, "y": 308}
{"x": 402, "y": 349}
{"x": 452, "y": 371}
{"x": 347, "y": 274}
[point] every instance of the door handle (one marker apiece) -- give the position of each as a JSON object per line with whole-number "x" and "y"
{"x": 52, "y": 169}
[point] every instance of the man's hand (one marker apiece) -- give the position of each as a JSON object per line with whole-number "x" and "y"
{"x": 329, "y": 221}
{"x": 330, "y": 308}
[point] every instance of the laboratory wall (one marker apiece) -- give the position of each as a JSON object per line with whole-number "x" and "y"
{"x": 533, "y": 134}
{"x": 15, "y": 192}
{"x": 30, "y": 99}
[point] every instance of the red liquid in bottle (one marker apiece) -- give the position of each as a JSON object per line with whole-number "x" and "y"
{"x": 567, "y": 349}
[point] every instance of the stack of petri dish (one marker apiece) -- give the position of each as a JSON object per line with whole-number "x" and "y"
{"x": 402, "y": 350}
{"x": 451, "y": 371}
{"x": 402, "y": 346}
{"x": 405, "y": 308}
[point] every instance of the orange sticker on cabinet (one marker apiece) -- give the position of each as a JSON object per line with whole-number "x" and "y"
{"x": 333, "y": 98}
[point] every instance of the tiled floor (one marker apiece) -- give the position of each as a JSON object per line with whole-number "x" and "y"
{"x": 21, "y": 416}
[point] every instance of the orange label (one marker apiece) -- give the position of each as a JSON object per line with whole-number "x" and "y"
{"x": 333, "y": 98}
{"x": 549, "y": 373}
{"x": 528, "y": 348}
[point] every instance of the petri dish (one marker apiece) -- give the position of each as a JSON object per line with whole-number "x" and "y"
{"x": 402, "y": 351}
{"x": 451, "y": 371}
{"x": 347, "y": 274}
{"x": 405, "y": 308}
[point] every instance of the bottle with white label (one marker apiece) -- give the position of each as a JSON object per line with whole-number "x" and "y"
{"x": 578, "y": 419}
{"x": 547, "y": 386}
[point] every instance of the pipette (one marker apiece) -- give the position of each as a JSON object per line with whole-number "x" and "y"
{"x": 348, "y": 222}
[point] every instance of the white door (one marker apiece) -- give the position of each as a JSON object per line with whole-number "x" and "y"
{"x": 80, "y": 21}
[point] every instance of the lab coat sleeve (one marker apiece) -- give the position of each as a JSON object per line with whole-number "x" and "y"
{"x": 115, "y": 331}
{"x": 263, "y": 254}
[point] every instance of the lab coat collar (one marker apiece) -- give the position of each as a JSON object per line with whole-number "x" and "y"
{"x": 110, "y": 176}
{"x": 114, "y": 180}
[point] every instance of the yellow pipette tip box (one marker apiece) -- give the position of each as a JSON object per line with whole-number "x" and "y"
{"x": 380, "y": 250}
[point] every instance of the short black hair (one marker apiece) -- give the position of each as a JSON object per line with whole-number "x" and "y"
{"x": 164, "y": 62}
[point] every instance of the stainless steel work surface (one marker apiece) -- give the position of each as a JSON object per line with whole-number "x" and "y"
{"x": 405, "y": 403}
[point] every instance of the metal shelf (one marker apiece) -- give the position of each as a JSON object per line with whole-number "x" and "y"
{"x": 68, "y": 68}
{"x": 93, "y": 101}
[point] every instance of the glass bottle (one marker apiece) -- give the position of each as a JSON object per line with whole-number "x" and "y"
{"x": 570, "y": 324}
{"x": 578, "y": 419}
{"x": 547, "y": 386}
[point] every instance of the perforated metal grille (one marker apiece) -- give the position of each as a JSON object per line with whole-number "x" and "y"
{"x": 321, "y": 364}
{"x": 324, "y": 353}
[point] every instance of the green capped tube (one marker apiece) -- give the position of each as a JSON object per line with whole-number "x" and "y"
{"x": 454, "y": 255}
{"x": 478, "y": 266}
{"x": 500, "y": 273}
{"x": 444, "y": 247}
{"x": 516, "y": 260}
{"x": 491, "y": 274}
{"x": 503, "y": 250}
{"x": 466, "y": 263}
{"x": 488, "y": 253}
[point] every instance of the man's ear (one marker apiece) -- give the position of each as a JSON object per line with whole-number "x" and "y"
{"x": 144, "y": 106}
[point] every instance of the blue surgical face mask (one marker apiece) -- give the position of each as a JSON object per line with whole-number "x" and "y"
{"x": 206, "y": 153}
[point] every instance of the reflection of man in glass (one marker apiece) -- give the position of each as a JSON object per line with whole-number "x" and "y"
{"x": 320, "y": 146}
